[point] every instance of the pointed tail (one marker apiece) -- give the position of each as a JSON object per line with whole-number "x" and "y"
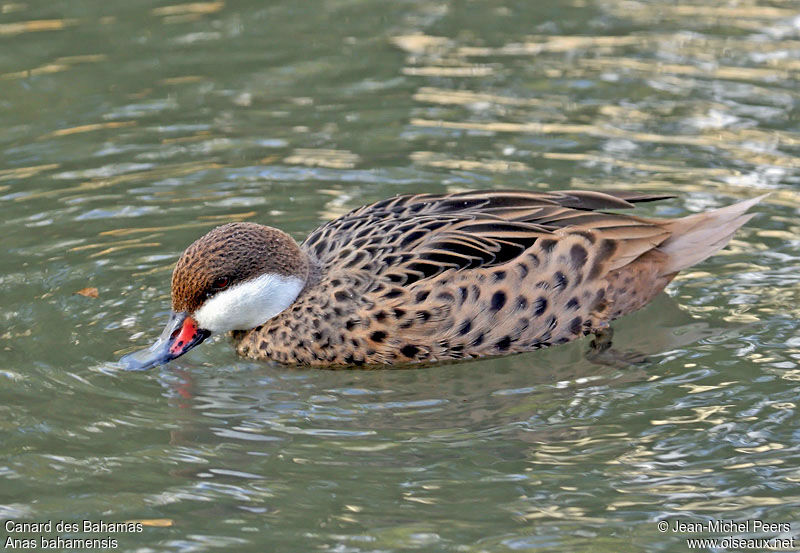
{"x": 697, "y": 237}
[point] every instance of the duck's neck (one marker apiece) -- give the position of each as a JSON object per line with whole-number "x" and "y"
{"x": 314, "y": 272}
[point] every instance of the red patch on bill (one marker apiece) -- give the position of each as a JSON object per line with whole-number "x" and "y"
{"x": 185, "y": 336}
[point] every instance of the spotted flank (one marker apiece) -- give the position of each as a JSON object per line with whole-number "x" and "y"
{"x": 436, "y": 277}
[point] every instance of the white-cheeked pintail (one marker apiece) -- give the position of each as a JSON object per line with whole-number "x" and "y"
{"x": 432, "y": 277}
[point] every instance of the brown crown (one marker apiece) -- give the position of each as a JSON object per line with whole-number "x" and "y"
{"x": 235, "y": 252}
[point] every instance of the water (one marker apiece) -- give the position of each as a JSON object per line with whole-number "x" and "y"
{"x": 129, "y": 129}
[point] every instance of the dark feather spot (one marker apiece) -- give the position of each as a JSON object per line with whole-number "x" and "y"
{"x": 320, "y": 249}
{"x": 504, "y": 343}
{"x": 499, "y": 275}
{"x": 573, "y": 304}
{"x": 604, "y": 251}
{"x": 351, "y": 360}
{"x": 398, "y": 313}
{"x": 341, "y": 295}
{"x": 356, "y": 259}
{"x": 409, "y": 350}
{"x": 478, "y": 340}
{"x": 575, "y": 325}
{"x": 377, "y": 336}
{"x": 466, "y": 326}
{"x": 522, "y": 302}
{"x": 578, "y": 255}
{"x": 446, "y": 296}
{"x": 539, "y": 306}
{"x": 422, "y": 296}
{"x": 548, "y": 244}
{"x": 464, "y": 293}
{"x": 601, "y": 294}
{"x": 560, "y": 281}
{"x": 498, "y": 301}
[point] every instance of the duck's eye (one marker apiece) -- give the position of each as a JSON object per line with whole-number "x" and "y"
{"x": 220, "y": 284}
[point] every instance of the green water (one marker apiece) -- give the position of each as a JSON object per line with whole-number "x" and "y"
{"x": 127, "y": 129}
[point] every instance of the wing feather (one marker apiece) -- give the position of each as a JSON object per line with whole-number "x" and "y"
{"x": 415, "y": 237}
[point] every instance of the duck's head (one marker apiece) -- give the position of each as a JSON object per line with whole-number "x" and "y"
{"x": 236, "y": 277}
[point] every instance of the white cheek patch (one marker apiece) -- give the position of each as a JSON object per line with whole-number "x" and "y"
{"x": 248, "y": 304}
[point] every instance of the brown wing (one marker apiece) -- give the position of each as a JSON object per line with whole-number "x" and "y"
{"x": 416, "y": 237}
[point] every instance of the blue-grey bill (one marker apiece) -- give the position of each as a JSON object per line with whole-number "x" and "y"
{"x": 179, "y": 336}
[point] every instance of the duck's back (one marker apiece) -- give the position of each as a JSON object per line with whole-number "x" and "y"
{"x": 425, "y": 278}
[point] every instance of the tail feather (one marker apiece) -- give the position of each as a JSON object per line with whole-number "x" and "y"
{"x": 697, "y": 237}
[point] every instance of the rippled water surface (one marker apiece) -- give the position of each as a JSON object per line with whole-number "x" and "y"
{"x": 127, "y": 129}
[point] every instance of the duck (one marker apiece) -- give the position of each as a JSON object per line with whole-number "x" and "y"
{"x": 418, "y": 279}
